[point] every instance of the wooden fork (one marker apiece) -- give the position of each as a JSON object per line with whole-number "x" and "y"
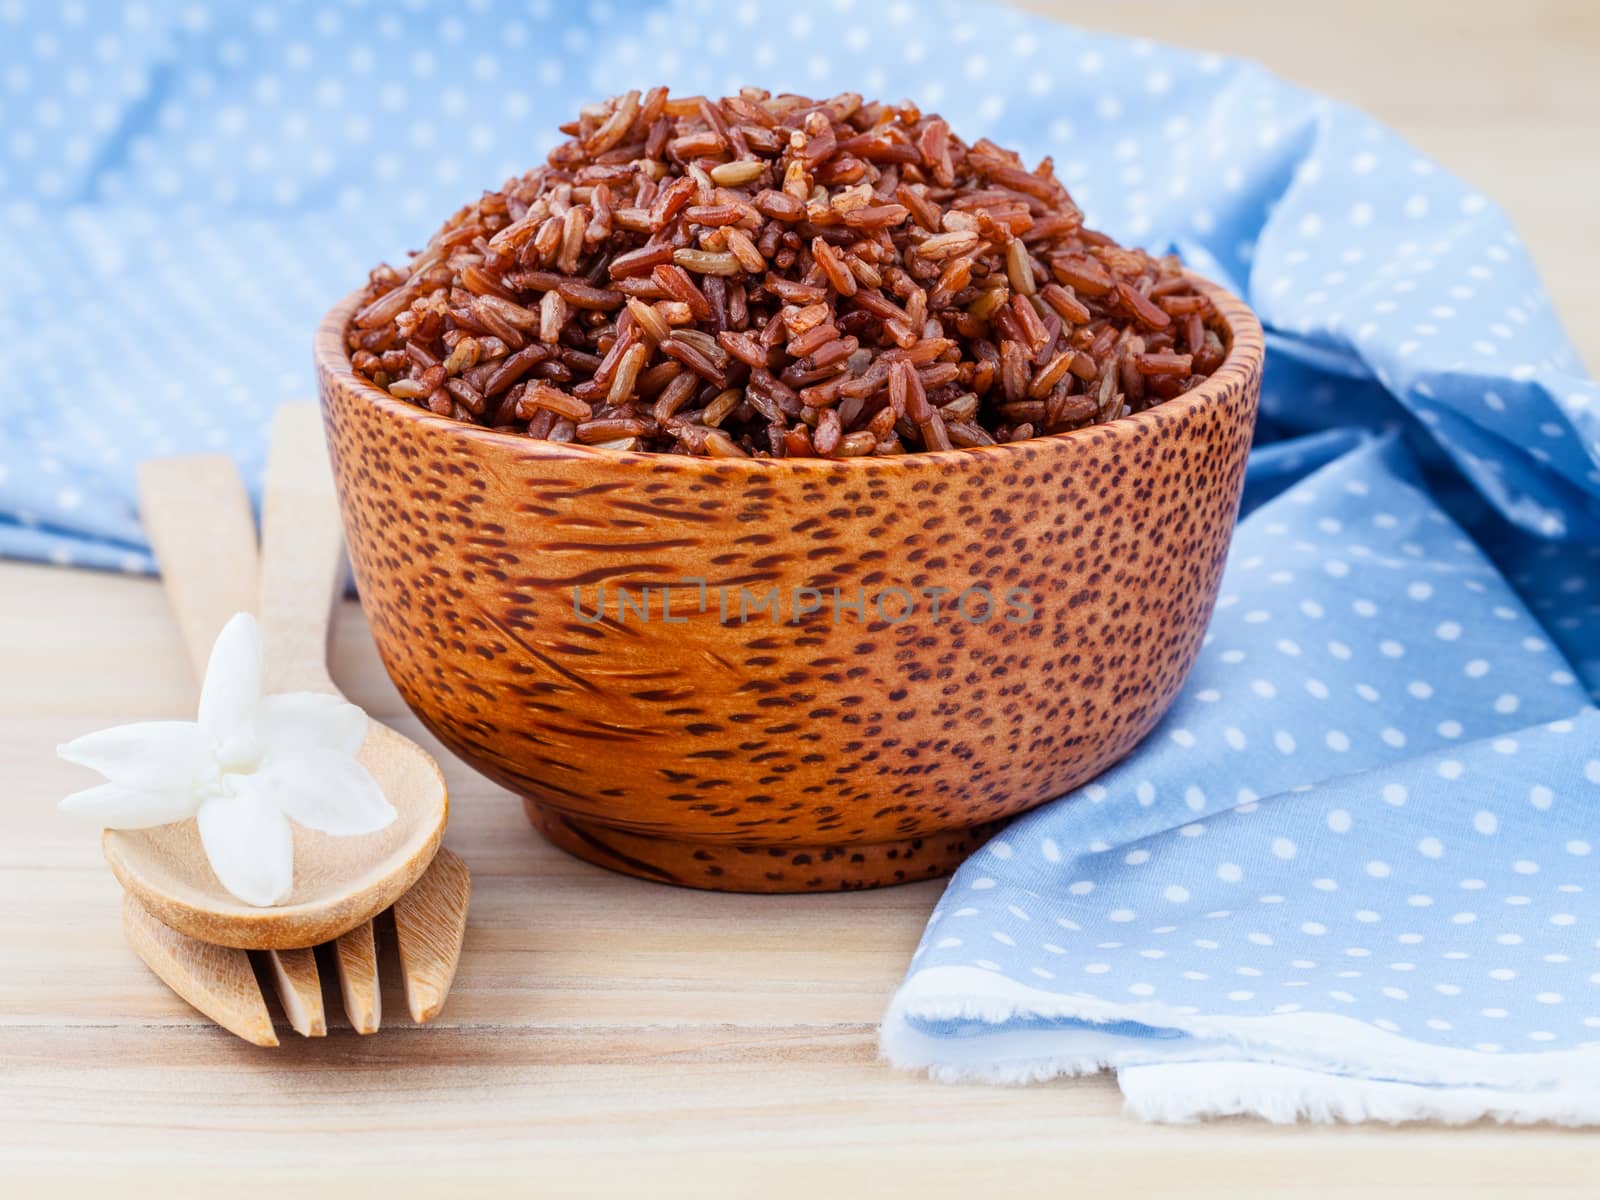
{"x": 429, "y": 922}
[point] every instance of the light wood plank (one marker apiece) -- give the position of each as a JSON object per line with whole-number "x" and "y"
{"x": 770, "y": 1112}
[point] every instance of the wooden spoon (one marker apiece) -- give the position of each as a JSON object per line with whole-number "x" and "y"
{"x": 204, "y": 540}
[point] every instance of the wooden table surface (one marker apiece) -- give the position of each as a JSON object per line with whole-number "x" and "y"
{"x": 608, "y": 1036}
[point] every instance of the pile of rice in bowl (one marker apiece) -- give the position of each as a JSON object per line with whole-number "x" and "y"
{"x": 778, "y": 276}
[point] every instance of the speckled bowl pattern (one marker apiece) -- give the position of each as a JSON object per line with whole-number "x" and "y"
{"x": 833, "y": 751}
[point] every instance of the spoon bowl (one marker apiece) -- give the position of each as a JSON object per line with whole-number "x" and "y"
{"x": 339, "y": 882}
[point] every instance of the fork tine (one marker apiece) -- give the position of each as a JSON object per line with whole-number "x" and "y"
{"x": 217, "y": 980}
{"x": 295, "y": 973}
{"x": 356, "y": 953}
{"x": 430, "y": 922}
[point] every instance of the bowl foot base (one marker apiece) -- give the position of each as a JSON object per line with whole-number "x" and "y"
{"x": 729, "y": 867}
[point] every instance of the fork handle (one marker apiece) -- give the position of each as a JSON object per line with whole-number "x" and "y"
{"x": 197, "y": 515}
{"x": 302, "y": 554}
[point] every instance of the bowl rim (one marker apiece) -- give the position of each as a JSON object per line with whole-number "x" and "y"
{"x": 1246, "y": 352}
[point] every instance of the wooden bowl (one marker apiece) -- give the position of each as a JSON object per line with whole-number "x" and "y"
{"x": 855, "y": 746}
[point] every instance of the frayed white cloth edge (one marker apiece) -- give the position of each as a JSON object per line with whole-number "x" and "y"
{"x": 1181, "y": 1093}
{"x": 1315, "y": 1066}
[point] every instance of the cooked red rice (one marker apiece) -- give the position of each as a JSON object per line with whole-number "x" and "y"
{"x": 780, "y": 276}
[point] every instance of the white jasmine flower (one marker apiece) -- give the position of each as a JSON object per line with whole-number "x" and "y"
{"x": 248, "y": 766}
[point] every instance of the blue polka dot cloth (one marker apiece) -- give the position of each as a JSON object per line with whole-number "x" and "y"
{"x": 1351, "y": 875}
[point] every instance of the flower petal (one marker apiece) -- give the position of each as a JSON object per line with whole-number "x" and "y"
{"x": 295, "y": 721}
{"x": 321, "y": 790}
{"x": 148, "y": 756}
{"x": 113, "y": 806}
{"x": 249, "y": 844}
{"x": 233, "y": 679}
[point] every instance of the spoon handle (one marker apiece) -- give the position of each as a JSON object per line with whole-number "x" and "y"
{"x": 302, "y": 554}
{"x": 197, "y": 515}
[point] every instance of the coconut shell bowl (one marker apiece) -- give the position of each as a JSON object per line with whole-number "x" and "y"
{"x": 712, "y": 737}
